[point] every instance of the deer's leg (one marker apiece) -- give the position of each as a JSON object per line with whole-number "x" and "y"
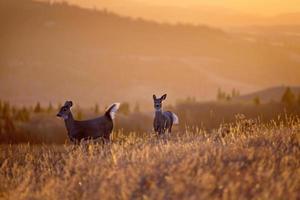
{"x": 165, "y": 126}
{"x": 161, "y": 130}
{"x": 170, "y": 128}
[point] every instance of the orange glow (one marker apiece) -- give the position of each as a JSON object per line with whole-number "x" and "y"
{"x": 216, "y": 12}
{"x": 59, "y": 51}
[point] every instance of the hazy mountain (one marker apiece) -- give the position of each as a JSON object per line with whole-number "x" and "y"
{"x": 195, "y": 13}
{"x": 57, "y": 52}
{"x": 269, "y": 94}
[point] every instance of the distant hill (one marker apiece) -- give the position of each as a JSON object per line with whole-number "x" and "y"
{"x": 269, "y": 94}
{"x": 199, "y": 13}
{"x": 53, "y": 52}
{"x": 286, "y": 19}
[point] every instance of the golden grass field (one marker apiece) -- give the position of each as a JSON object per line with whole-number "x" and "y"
{"x": 243, "y": 160}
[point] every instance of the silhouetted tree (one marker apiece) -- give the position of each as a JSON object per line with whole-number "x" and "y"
{"x": 9, "y": 126}
{"x": 288, "y": 98}
{"x": 6, "y": 110}
{"x": 235, "y": 93}
{"x": 37, "y": 108}
{"x": 25, "y": 114}
{"x": 136, "y": 108}
{"x": 190, "y": 100}
{"x": 228, "y": 97}
{"x": 79, "y": 114}
{"x": 22, "y": 115}
{"x": 221, "y": 95}
{"x": 59, "y": 105}
{"x": 298, "y": 100}
{"x": 50, "y": 108}
{"x": 256, "y": 101}
{"x": 96, "y": 109}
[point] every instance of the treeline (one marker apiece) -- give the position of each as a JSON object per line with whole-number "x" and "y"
{"x": 38, "y": 124}
{"x": 211, "y": 115}
{"x": 288, "y": 97}
{"x": 9, "y": 116}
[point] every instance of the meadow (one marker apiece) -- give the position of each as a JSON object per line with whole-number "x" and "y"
{"x": 241, "y": 145}
{"x": 245, "y": 159}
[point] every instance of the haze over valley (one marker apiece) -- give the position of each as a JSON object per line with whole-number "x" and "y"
{"x": 53, "y": 52}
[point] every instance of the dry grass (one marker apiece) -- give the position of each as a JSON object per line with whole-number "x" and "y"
{"x": 243, "y": 160}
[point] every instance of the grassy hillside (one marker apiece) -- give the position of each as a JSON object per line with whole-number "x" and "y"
{"x": 54, "y": 52}
{"x": 258, "y": 162}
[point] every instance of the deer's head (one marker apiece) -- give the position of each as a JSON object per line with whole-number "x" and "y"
{"x": 158, "y": 101}
{"x": 65, "y": 110}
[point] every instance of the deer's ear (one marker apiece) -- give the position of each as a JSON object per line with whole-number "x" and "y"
{"x": 69, "y": 103}
{"x": 154, "y": 97}
{"x": 164, "y": 97}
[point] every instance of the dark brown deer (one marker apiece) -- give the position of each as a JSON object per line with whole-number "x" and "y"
{"x": 100, "y": 127}
{"x": 163, "y": 120}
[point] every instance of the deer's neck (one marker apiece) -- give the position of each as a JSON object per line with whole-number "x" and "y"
{"x": 158, "y": 112}
{"x": 70, "y": 123}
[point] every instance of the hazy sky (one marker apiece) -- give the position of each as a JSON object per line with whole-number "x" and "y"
{"x": 249, "y": 6}
{"x": 262, "y": 7}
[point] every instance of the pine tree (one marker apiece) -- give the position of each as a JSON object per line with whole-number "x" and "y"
{"x": 37, "y": 108}
{"x": 25, "y": 114}
{"x": 6, "y": 110}
{"x": 256, "y": 101}
{"x": 288, "y": 98}
{"x": 9, "y": 126}
{"x": 220, "y": 95}
{"x": 22, "y": 115}
{"x": 233, "y": 93}
{"x": 228, "y": 97}
{"x": 79, "y": 114}
{"x": 136, "y": 108}
{"x": 96, "y": 109}
{"x": 50, "y": 108}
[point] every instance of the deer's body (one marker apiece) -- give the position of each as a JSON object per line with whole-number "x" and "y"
{"x": 89, "y": 129}
{"x": 100, "y": 127}
{"x": 163, "y": 120}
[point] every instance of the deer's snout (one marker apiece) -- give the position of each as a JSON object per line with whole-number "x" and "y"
{"x": 58, "y": 115}
{"x": 157, "y": 106}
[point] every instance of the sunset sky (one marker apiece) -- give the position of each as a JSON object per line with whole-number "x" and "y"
{"x": 266, "y": 7}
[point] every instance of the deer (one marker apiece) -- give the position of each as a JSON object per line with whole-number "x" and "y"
{"x": 100, "y": 127}
{"x": 163, "y": 120}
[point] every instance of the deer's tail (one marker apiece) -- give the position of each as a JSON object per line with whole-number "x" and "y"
{"x": 175, "y": 118}
{"x": 111, "y": 111}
